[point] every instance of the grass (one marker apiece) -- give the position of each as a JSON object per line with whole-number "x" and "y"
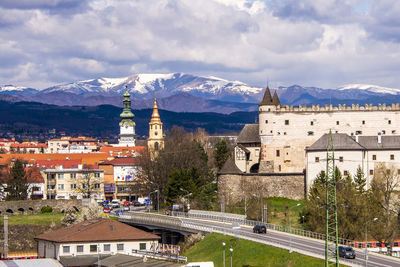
{"x": 245, "y": 253}
{"x": 38, "y": 219}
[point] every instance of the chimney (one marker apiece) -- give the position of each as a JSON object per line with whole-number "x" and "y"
{"x": 379, "y": 138}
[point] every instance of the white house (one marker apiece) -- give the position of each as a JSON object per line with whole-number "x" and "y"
{"x": 368, "y": 152}
{"x": 104, "y": 236}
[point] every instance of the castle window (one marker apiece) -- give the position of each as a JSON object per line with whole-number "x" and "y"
{"x": 398, "y": 171}
{"x": 371, "y": 172}
{"x": 337, "y": 122}
{"x": 271, "y": 131}
{"x": 310, "y": 133}
{"x": 266, "y": 121}
{"x": 393, "y": 131}
{"x": 391, "y": 157}
{"x": 311, "y": 123}
{"x": 156, "y": 146}
{"x": 383, "y": 132}
{"x": 286, "y": 122}
{"x": 373, "y": 157}
{"x": 316, "y": 159}
{"x": 389, "y": 122}
{"x": 280, "y": 168}
{"x": 363, "y": 122}
{"x": 151, "y": 127}
{"x": 358, "y": 132}
{"x": 284, "y": 133}
{"x": 340, "y": 159}
{"x": 155, "y": 133}
{"x": 345, "y": 173}
{"x": 269, "y": 109}
{"x": 278, "y": 153}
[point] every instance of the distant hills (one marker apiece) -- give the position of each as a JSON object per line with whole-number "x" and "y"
{"x": 181, "y": 92}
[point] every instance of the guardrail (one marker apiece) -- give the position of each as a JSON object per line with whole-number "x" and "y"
{"x": 227, "y": 217}
{"x": 159, "y": 255}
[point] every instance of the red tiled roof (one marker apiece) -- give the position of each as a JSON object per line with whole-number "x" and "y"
{"x": 29, "y": 145}
{"x": 67, "y": 164}
{"x": 121, "y": 161}
{"x": 34, "y": 175}
{"x": 96, "y": 230}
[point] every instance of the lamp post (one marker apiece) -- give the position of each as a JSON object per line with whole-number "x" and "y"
{"x": 223, "y": 253}
{"x": 184, "y": 197}
{"x": 302, "y": 221}
{"x": 231, "y": 250}
{"x": 290, "y": 228}
{"x": 158, "y": 196}
{"x": 366, "y": 244}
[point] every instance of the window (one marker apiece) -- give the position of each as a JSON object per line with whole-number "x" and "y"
{"x": 96, "y": 186}
{"x": 266, "y": 121}
{"x": 345, "y": 173}
{"x": 278, "y": 153}
{"x": 393, "y": 131}
{"x": 389, "y": 122}
{"x": 73, "y": 175}
{"x": 79, "y": 249}
{"x": 358, "y": 132}
{"x": 316, "y": 159}
{"x": 373, "y": 157}
{"x": 371, "y": 172}
{"x": 60, "y": 175}
{"x": 120, "y": 246}
{"x": 383, "y": 132}
{"x": 363, "y": 122}
{"x": 286, "y": 122}
{"x": 60, "y": 186}
{"x": 398, "y": 171}
{"x": 73, "y": 186}
{"x": 337, "y": 122}
{"x": 340, "y": 159}
{"x": 66, "y": 249}
{"x": 107, "y": 247}
{"x": 311, "y": 123}
{"x": 93, "y": 248}
{"x": 395, "y": 244}
{"x": 142, "y": 246}
{"x": 391, "y": 157}
{"x": 97, "y": 175}
{"x": 310, "y": 133}
{"x": 280, "y": 168}
{"x": 155, "y": 133}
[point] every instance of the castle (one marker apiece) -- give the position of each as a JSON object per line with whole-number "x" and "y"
{"x": 274, "y": 149}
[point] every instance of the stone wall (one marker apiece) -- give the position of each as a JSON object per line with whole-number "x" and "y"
{"x": 34, "y": 206}
{"x": 234, "y": 187}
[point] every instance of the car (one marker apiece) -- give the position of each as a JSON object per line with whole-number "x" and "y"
{"x": 136, "y": 204}
{"x": 260, "y": 229}
{"x": 116, "y": 203}
{"x": 107, "y": 209}
{"x": 346, "y": 252}
{"x": 126, "y": 204}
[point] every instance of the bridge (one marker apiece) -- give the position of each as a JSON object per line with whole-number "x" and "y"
{"x": 303, "y": 242}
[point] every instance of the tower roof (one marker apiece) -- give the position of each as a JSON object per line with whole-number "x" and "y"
{"x": 275, "y": 100}
{"x": 267, "y": 99}
{"x": 155, "y": 117}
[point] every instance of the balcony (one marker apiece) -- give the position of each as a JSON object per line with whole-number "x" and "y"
{"x": 51, "y": 181}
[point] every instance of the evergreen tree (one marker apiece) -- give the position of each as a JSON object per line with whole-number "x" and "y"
{"x": 360, "y": 180}
{"x": 221, "y": 154}
{"x": 17, "y": 182}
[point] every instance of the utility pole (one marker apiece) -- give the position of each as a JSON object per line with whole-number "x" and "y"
{"x": 5, "y": 236}
{"x": 331, "y": 235}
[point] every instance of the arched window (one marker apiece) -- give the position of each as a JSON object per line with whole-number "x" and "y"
{"x": 156, "y": 146}
{"x": 254, "y": 168}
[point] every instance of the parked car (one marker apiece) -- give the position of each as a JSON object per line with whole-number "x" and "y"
{"x": 116, "y": 203}
{"x": 260, "y": 229}
{"x": 347, "y": 252}
{"x": 107, "y": 209}
{"x": 126, "y": 204}
{"x": 136, "y": 203}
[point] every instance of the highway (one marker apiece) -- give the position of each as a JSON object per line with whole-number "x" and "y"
{"x": 303, "y": 245}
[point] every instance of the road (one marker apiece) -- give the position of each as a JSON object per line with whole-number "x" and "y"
{"x": 303, "y": 245}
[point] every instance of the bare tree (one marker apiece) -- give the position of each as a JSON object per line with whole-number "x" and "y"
{"x": 87, "y": 184}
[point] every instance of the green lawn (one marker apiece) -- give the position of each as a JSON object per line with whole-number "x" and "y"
{"x": 39, "y": 219}
{"x": 245, "y": 253}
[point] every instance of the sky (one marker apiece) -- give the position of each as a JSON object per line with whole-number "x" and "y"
{"x": 322, "y": 43}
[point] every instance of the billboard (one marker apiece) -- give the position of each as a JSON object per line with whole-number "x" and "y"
{"x": 126, "y": 173}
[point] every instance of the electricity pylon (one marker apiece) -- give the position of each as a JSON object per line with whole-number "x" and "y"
{"x": 331, "y": 236}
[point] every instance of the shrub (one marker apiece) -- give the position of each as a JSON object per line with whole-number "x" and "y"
{"x": 46, "y": 209}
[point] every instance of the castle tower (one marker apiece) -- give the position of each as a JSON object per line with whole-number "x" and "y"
{"x": 127, "y": 125}
{"x": 156, "y": 138}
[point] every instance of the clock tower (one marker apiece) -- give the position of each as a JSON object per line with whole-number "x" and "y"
{"x": 127, "y": 125}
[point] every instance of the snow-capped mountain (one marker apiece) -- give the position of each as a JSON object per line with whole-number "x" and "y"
{"x": 370, "y": 88}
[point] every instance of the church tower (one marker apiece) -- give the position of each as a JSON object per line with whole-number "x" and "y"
{"x": 156, "y": 138}
{"x": 127, "y": 125}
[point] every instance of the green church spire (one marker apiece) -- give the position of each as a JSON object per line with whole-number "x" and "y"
{"x": 127, "y": 114}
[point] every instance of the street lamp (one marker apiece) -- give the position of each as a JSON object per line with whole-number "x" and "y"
{"x": 290, "y": 228}
{"x": 223, "y": 253}
{"x": 231, "y": 250}
{"x": 366, "y": 244}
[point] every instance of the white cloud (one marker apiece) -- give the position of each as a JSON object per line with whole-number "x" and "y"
{"x": 319, "y": 43}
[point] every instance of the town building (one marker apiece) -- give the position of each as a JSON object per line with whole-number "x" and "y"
{"x": 67, "y": 144}
{"x": 353, "y": 152}
{"x": 93, "y": 237}
{"x": 155, "y": 142}
{"x": 69, "y": 182}
{"x": 122, "y": 178}
{"x": 127, "y": 125}
{"x": 28, "y": 147}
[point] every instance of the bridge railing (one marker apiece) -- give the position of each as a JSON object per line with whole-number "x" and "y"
{"x": 232, "y": 218}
